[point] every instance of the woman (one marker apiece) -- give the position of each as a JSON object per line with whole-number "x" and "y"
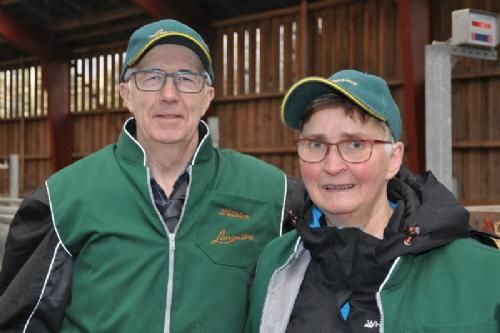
{"x": 375, "y": 248}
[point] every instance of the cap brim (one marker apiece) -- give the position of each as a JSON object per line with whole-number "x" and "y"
{"x": 303, "y": 92}
{"x": 169, "y": 37}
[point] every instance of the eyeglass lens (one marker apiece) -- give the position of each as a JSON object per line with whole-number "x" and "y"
{"x": 184, "y": 81}
{"x": 352, "y": 151}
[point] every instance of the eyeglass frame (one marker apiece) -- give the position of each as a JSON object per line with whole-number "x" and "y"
{"x": 372, "y": 142}
{"x": 204, "y": 75}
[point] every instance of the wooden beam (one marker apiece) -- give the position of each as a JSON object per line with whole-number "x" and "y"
{"x": 105, "y": 17}
{"x": 56, "y": 80}
{"x": 89, "y": 33}
{"x": 183, "y": 11}
{"x": 36, "y": 42}
{"x": 414, "y": 34}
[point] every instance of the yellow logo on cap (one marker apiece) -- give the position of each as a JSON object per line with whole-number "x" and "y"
{"x": 159, "y": 32}
{"x": 346, "y": 80}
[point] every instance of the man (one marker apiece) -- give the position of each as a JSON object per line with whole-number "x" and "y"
{"x": 156, "y": 233}
{"x": 376, "y": 249}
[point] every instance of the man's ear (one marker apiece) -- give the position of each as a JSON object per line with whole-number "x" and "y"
{"x": 209, "y": 96}
{"x": 395, "y": 159}
{"x": 125, "y": 94}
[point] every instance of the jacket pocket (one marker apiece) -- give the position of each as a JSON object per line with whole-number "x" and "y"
{"x": 235, "y": 228}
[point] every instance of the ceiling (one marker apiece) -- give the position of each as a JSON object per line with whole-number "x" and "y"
{"x": 34, "y": 29}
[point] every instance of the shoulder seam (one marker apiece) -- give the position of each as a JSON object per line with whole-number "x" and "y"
{"x": 54, "y": 221}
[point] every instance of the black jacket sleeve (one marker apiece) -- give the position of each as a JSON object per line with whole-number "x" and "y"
{"x": 295, "y": 197}
{"x": 36, "y": 272}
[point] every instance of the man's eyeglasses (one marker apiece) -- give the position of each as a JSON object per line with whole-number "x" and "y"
{"x": 351, "y": 151}
{"x": 155, "y": 79}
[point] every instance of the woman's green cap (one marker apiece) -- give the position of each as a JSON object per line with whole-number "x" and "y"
{"x": 369, "y": 92}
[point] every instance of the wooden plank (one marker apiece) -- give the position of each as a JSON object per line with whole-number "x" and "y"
{"x": 324, "y": 35}
{"x": 273, "y": 67}
{"x": 303, "y": 42}
{"x": 341, "y": 40}
{"x": 5, "y": 94}
{"x": 231, "y": 99}
{"x": 252, "y": 133}
{"x": 252, "y": 59}
{"x": 371, "y": 36}
{"x": 81, "y": 85}
{"x": 387, "y": 59}
{"x": 290, "y": 51}
{"x": 355, "y": 24}
{"x": 218, "y": 66}
{"x": 267, "y": 57}
{"x": 240, "y": 60}
{"x": 244, "y": 19}
{"x": 230, "y": 62}
{"x": 493, "y": 181}
{"x": 116, "y": 82}
{"x": 10, "y": 90}
{"x": 107, "y": 74}
{"x": 113, "y": 81}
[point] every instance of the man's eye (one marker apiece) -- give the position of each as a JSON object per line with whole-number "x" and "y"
{"x": 154, "y": 77}
{"x": 185, "y": 77}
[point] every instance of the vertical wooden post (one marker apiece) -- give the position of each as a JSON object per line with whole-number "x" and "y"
{"x": 414, "y": 28}
{"x": 56, "y": 80}
{"x": 304, "y": 49}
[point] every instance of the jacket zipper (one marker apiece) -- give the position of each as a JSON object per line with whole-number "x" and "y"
{"x": 275, "y": 273}
{"x": 171, "y": 249}
{"x": 379, "y": 298}
{"x": 170, "y": 281}
{"x": 171, "y": 257}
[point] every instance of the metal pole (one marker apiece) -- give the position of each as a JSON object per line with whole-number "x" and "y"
{"x": 14, "y": 176}
{"x": 438, "y": 133}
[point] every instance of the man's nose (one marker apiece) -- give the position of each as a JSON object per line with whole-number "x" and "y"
{"x": 169, "y": 89}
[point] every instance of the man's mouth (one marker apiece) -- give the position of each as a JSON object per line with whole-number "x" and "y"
{"x": 330, "y": 187}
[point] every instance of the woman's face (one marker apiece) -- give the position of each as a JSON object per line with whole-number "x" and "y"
{"x": 349, "y": 194}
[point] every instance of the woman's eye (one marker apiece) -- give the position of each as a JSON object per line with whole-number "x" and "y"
{"x": 357, "y": 144}
{"x": 316, "y": 144}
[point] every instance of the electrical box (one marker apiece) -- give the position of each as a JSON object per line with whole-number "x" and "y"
{"x": 471, "y": 27}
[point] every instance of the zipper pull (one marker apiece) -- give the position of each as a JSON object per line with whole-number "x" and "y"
{"x": 171, "y": 241}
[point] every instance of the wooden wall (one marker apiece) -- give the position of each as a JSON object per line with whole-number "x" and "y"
{"x": 96, "y": 108}
{"x": 256, "y": 59}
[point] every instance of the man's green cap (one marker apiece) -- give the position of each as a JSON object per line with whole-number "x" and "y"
{"x": 369, "y": 92}
{"x": 166, "y": 32}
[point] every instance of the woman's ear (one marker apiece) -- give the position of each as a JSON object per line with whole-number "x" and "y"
{"x": 395, "y": 159}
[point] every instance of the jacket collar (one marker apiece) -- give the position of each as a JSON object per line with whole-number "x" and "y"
{"x": 129, "y": 149}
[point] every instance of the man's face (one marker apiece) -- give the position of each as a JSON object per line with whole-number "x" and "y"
{"x": 167, "y": 116}
{"x": 348, "y": 193}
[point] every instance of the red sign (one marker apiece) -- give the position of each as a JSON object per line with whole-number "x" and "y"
{"x": 481, "y": 24}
